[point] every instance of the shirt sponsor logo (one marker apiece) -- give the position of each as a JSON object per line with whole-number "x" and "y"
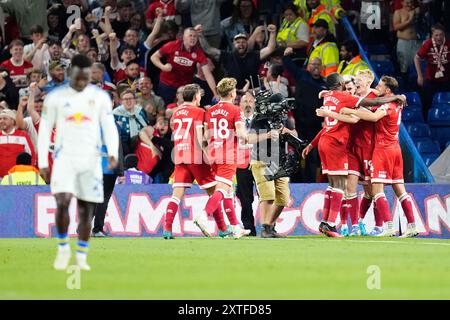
{"x": 182, "y": 61}
{"x": 78, "y": 118}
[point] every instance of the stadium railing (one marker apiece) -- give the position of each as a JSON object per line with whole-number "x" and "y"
{"x": 415, "y": 169}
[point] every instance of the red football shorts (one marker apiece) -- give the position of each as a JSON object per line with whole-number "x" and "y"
{"x": 333, "y": 156}
{"x": 185, "y": 174}
{"x": 224, "y": 173}
{"x": 146, "y": 159}
{"x": 359, "y": 162}
{"x": 387, "y": 165}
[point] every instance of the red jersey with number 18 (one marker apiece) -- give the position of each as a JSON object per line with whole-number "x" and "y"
{"x": 185, "y": 121}
{"x": 335, "y": 101}
{"x": 221, "y": 120}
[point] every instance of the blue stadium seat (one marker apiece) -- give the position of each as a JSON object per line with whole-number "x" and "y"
{"x": 376, "y": 49}
{"x": 427, "y": 146}
{"x": 420, "y": 130}
{"x": 385, "y": 67}
{"x": 429, "y": 158}
{"x": 412, "y": 114}
{"x": 439, "y": 115}
{"x": 413, "y": 98}
{"x": 441, "y": 98}
{"x": 441, "y": 134}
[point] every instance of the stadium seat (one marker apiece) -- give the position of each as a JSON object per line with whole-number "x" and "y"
{"x": 427, "y": 146}
{"x": 420, "y": 130}
{"x": 439, "y": 115}
{"x": 441, "y": 134}
{"x": 441, "y": 98}
{"x": 385, "y": 67}
{"x": 376, "y": 49}
{"x": 413, "y": 99}
{"x": 429, "y": 158}
{"x": 412, "y": 114}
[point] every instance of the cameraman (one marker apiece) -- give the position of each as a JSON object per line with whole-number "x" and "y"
{"x": 273, "y": 195}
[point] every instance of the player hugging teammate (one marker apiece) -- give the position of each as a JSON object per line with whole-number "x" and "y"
{"x": 350, "y": 148}
{"x": 212, "y": 167}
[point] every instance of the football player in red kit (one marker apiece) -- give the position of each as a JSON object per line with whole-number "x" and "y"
{"x": 187, "y": 123}
{"x": 332, "y": 141}
{"x": 224, "y": 125}
{"x": 387, "y": 161}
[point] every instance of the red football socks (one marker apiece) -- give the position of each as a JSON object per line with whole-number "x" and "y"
{"x": 214, "y": 202}
{"x": 326, "y": 204}
{"x": 218, "y": 217}
{"x": 365, "y": 205}
{"x": 377, "y": 215}
{"x": 383, "y": 206}
{"x": 228, "y": 205}
{"x": 335, "y": 205}
{"x": 171, "y": 211}
{"x": 405, "y": 201}
{"x": 343, "y": 212}
{"x": 353, "y": 208}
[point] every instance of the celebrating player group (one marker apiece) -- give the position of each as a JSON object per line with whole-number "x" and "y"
{"x": 359, "y": 142}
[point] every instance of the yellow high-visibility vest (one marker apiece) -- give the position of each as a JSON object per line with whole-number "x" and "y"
{"x": 328, "y": 53}
{"x": 288, "y": 31}
{"x": 22, "y": 175}
{"x": 333, "y": 6}
{"x": 352, "y": 68}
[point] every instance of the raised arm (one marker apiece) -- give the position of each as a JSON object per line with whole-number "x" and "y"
{"x": 106, "y": 26}
{"x": 38, "y": 46}
{"x": 156, "y": 29}
{"x": 381, "y": 100}
{"x": 19, "y": 115}
{"x": 341, "y": 117}
{"x": 210, "y": 79}
{"x": 30, "y": 105}
{"x": 46, "y": 125}
{"x": 364, "y": 115}
{"x": 271, "y": 45}
{"x": 210, "y": 51}
{"x": 113, "y": 42}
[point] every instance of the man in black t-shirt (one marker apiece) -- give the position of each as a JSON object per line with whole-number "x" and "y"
{"x": 241, "y": 63}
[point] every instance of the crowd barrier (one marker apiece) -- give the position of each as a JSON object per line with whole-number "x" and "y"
{"x": 138, "y": 211}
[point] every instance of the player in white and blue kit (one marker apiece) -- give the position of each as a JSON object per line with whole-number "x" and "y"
{"x": 78, "y": 111}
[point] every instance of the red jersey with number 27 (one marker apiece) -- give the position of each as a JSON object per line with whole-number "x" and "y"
{"x": 221, "y": 120}
{"x": 335, "y": 101}
{"x": 185, "y": 121}
{"x": 388, "y": 127}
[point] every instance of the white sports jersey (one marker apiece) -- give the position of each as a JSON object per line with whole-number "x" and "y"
{"x": 79, "y": 118}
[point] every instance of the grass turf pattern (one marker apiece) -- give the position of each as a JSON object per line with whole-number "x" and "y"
{"x": 250, "y": 268}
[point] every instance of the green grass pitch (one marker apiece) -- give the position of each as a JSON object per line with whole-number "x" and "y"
{"x": 199, "y": 268}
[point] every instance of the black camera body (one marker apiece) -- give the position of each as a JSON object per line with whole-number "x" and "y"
{"x": 274, "y": 108}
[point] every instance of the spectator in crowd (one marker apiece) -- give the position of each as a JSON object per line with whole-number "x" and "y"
{"x": 56, "y": 28}
{"x": 23, "y": 173}
{"x": 324, "y": 47}
{"x": 407, "y": 42}
{"x": 170, "y": 109}
{"x": 12, "y": 142}
{"x": 351, "y": 61}
{"x": 54, "y": 53}
{"x": 436, "y": 52}
{"x": 122, "y": 23}
{"x": 206, "y": 13}
{"x": 199, "y": 78}
{"x": 58, "y": 73}
{"x": 309, "y": 83}
{"x": 168, "y": 11}
{"x": 34, "y": 52}
{"x": 99, "y": 12}
{"x": 181, "y": 58}
{"x": 33, "y": 106}
{"x": 83, "y": 44}
{"x": 294, "y": 31}
{"x": 275, "y": 82}
{"x": 241, "y": 63}
{"x": 244, "y": 177}
{"x": 315, "y": 11}
{"x": 131, "y": 119}
{"x": 132, "y": 175}
{"x": 162, "y": 139}
{"x": 17, "y": 66}
{"x": 98, "y": 72}
{"x": 152, "y": 104}
{"x": 8, "y": 91}
{"x": 127, "y": 54}
{"x": 132, "y": 74}
{"x": 244, "y": 20}
{"x": 332, "y": 6}
{"x": 26, "y": 15}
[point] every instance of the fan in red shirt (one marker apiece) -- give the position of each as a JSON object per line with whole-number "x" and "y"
{"x": 182, "y": 57}
{"x": 17, "y": 66}
{"x": 167, "y": 7}
{"x": 387, "y": 161}
{"x": 12, "y": 142}
{"x": 187, "y": 124}
{"x": 224, "y": 125}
